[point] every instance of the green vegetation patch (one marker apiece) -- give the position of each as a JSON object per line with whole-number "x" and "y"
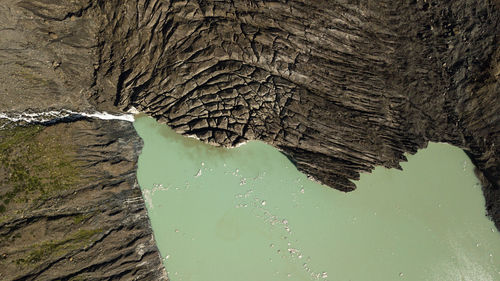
{"x": 82, "y": 217}
{"x": 33, "y": 165}
{"x": 59, "y": 247}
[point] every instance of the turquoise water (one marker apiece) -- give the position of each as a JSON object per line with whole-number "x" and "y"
{"x": 248, "y": 214}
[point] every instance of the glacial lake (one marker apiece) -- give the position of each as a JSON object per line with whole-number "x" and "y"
{"x": 247, "y": 214}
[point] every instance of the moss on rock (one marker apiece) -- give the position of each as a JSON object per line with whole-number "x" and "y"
{"x": 34, "y": 165}
{"x": 59, "y": 247}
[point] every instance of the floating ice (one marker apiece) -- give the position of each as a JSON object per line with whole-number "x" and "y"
{"x": 198, "y": 174}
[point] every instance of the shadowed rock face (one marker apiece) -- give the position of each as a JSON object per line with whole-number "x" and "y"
{"x": 71, "y": 208}
{"x": 338, "y": 86}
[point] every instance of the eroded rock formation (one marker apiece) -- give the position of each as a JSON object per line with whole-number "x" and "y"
{"x": 338, "y": 86}
{"x": 70, "y": 205}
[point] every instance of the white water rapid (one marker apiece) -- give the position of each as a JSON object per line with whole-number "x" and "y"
{"x": 48, "y": 116}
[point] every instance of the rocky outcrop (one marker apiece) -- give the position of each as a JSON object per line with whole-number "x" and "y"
{"x": 338, "y": 86}
{"x": 47, "y": 54}
{"x": 70, "y": 205}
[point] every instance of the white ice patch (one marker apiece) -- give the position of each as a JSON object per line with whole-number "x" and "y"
{"x": 198, "y": 174}
{"x": 107, "y": 116}
{"x": 133, "y": 110}
{"x": 241, "y": 144}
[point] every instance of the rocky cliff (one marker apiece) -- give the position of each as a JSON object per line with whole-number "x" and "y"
{"x": 70, "y": 205}
{"x": 338, "y": 86}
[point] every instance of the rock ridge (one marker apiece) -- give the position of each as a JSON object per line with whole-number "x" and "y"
{"x": 338, "y": 86}
{"x": 71, "y": 207}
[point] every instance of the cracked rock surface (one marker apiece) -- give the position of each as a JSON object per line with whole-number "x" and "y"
{"x": 338, "y": 86}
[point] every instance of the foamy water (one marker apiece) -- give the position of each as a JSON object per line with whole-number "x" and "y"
{"x": 54, "y": 115}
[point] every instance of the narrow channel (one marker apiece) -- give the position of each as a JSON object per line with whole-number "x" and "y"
{"x": 247, "y": 214}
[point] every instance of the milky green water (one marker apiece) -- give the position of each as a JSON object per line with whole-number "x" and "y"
{"x": 248, "y": 214}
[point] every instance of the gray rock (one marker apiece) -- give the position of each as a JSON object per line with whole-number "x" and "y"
{"x": 339, "y": 86}
{"x": 74, "y": 210}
